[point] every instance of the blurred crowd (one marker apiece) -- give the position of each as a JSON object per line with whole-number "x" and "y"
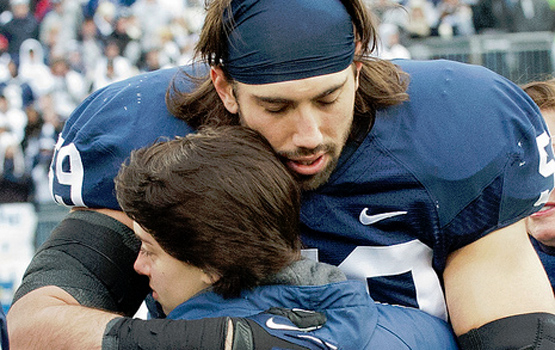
{"x": 53, "y": 53}
{"x": 405, "y": 21}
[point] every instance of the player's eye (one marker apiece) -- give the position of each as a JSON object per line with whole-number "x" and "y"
{"x": 277, "y": 109}
{"x": 327, "y": 102}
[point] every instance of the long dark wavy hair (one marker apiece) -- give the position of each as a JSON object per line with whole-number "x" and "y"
{"x": 381, "y": 83}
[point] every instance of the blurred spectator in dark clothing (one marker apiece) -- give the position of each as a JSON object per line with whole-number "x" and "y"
{"x": 90, "y": 46}
{"x": 150, "y": 61}
{"x": 33, "y": 127}
{"x": 126, "y": 34}
{"x": 511, "y": 16}
{"x": 21, "y": 27}
{"x": 4, "y": 5}
{"x": 18, "y": 92}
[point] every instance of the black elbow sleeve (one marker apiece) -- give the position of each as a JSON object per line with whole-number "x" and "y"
{"x": 90, "y": 256}
{"x": 534, "y": 331}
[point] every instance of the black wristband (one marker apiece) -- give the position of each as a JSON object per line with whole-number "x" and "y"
{"x": 132, "y": 334}
{"x": 534, "y": 331}
{"x": 209, "y": 333}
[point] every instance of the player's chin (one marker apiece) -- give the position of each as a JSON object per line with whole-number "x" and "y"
{"x": 313, "y": 182}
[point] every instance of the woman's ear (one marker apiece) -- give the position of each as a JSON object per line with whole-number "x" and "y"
{"x": 224, "y": 89}
{"x": 210, "y": 277}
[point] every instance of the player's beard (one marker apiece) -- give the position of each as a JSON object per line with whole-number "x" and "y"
{"x": 312, "y": 182}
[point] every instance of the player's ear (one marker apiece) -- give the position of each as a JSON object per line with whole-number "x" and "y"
{"x": 224, "y": 89}
{"x": 358, "y": 64}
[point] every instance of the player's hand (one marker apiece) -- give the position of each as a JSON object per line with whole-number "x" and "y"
{"x": 275, "y": 328}
{"x": 279, "y": 328}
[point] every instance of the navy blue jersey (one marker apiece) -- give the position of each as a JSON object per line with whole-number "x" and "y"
{"x": 547, "y": 256}
{"x": 468, "y": 154}
{"x": 3, "y": 331}
{"x": 101, "y": 133}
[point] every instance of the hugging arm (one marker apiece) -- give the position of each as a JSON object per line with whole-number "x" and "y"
{"x": 498, "y": 282}
{"x": 72, "y": 298}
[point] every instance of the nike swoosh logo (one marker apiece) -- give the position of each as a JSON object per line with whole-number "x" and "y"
{"x": 270, "y": 323}
{"x": 366, "y": 219}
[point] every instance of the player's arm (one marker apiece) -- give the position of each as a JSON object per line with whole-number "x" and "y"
{"x": 60, "y": 322}
{"x": 67, "y": 261}
{"x": 45, "y": 316}
{"x": 50, "y": 318}
{"x": 498, "y": 283}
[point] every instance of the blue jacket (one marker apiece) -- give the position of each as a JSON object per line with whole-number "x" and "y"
{"x": 354, "y": 320}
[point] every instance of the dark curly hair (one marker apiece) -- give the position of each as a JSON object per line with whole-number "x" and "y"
{"x": 219, "y": 200}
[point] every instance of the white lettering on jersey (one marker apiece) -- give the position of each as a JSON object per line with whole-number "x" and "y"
{"x": 72, "y": 178}
{"x": 414, "y": 256}
{"x": 547, "y": 167}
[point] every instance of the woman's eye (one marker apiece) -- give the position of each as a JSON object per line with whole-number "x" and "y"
{"x": 145, "y": 252}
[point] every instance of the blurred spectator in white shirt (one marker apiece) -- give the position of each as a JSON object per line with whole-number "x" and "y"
{"x": 32, "y": 67}
{"x": 455, "y": 18}
{"x": 389, "y": 45}
{"x": 68, "y": 89}
{"x": 14, "y": 119}
{"x": 151, "y": 16}
{"x": 112, "y": 67}
{"x": 60, "y": 26}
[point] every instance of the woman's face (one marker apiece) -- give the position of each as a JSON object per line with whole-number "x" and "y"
{"x": 172, "y": 281}
{"x": 541, "y": 225}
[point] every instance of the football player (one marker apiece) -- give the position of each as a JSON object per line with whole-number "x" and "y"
{"x": 417, "y": 176}
{"x": 218, "y": 218}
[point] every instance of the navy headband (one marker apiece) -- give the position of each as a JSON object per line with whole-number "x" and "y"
{"x": 281, "y": 40}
